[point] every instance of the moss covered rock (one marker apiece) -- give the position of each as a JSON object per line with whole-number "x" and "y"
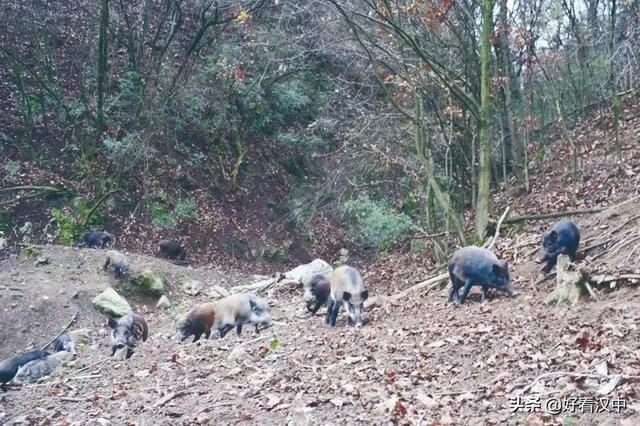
{"x": 150, "y": 283}
{"x": 109, "y": 302}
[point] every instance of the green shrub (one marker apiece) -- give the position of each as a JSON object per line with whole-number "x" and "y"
{"x": 161, "y": 216}
{"x": 73, "y": 224}
{"x": 291, "y": 96}
{"x": 417, "y": 246}
{"x": 68, "y": 227}
{"x": 186, "y": 208}
{"x": 374, "y": 222}
{"x": 5, "y": 221}
{"x": 12, "y": 169}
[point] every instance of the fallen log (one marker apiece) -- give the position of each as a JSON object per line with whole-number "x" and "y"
{"x": 527, "y": 217}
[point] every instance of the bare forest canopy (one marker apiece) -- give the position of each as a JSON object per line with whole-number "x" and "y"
{"x": 275, "y": 131}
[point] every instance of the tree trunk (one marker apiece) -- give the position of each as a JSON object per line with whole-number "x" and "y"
{"x": 484, "y": 122}
{"x": 512, "y": 147}
{"x": 438, "y": 193}
{"x": 572, "y": 283}
{"x": 615, "y": 99}
{"x": 102, "y": 68}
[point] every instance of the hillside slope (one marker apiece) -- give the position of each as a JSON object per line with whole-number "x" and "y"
{"x": 415, "y": 360}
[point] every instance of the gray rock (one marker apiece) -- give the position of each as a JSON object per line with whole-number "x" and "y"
{"x": 304, "y": 272}
{"x": 41, "y": 260}
{"x": 190, "y": 286}
{"x": 109, "y": 302}
{"x": 163, "y": 302}
{"x": 217, "y": 292}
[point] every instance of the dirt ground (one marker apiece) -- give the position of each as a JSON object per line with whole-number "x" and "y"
{"x": 416, "y": 361}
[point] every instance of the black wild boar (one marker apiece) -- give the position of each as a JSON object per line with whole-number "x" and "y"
{"x": 477, "y": 266}
{"x": 172, "y": 250}
{"x": 9, "y": 367}
{"x": 563, "y": 238}
{"x": 64, "y": 343}
{"x": 96, "y": 239}
{"x": 127, "y": 331}
{"x": 316, "y": 292}
{"x": 347, "y": 288}
{"x": 119, "y": 263}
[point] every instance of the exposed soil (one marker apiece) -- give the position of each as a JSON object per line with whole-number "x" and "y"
{"x": 415, "y": 361}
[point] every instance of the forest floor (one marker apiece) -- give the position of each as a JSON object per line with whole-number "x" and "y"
{"x": 417, "y": 360}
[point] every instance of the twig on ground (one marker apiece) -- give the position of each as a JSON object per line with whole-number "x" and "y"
{"x": 430, "y": 284}
{"x": 558, "y": 374}
{"x": 66, "y": 327}
{"x": 91, "y": 376}
{"x": 492, "y": 242}
{"x": 91, "y": 365}
{"x": 168, "y": 397}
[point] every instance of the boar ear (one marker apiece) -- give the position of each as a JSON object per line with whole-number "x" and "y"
{"x": 346, "y": 296}
{"x": 496, "y": 269}
{"x": 553, "y": 235}
{"x": 112, "y": 323}
{"x": 364, "y": 295}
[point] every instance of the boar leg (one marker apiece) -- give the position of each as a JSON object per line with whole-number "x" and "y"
{"x": 334, "y": 313}
{"x": 315, "y": 309}
{"x": 551, "y": 261}
{"x": 239, "y": 328}
{"x": 113, "y": 350}
{"x": 225, "y": 329}
{"x": 467, "y": 288}
{"x": 454, "y": 297}
{"x": 485, "y": 291}
{"x": 129, "y": 352}
{"x": 327, "y": 318}
{"x": 573, "y": 253}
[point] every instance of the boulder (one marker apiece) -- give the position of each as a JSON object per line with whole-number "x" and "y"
{"x": 150, "y": 283}
{"x": 109, "y": 302}
{"x": 190, "y": 286}
{"x": 303, "y": 273}
{"x": 163, "y": 303}
{"x": 217, "y": 292}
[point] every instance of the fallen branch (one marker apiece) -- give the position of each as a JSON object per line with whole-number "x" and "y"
{"x": 43, "y": 189}
{"x": 91, "y": 376}
{"x": 601, "y": 279}
{"x": 91, "y": 365}
{"x": 262, "y": 285}
{"x": 492, "y": 242}
{"x": 557, "y": 374}
{"x": 173, "y": 395}
{"x": 431, "y": 283}
{"x": 481, "y": 389}
{"x": 66, "y": 327}
{"x": 528, "y": 217}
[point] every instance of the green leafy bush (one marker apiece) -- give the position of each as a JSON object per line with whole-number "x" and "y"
{"x": 68, "y": 228}
{"x": 186, "y": 208}
{"x": 374, "y": 222}
{"x": 161, "y": 215}
{"x": 12, "y": 169}
{"x": 73, "y": 224}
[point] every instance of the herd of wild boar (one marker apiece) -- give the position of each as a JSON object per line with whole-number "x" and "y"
{"x": 343, "y": 286}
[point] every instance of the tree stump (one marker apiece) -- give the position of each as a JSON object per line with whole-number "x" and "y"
{"x": 572, "y": 283}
